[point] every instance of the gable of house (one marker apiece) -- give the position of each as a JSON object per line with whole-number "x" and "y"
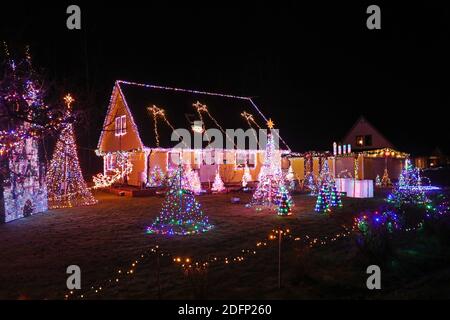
{"x": 364, "y": 136}
{"x": 118, "y": 135}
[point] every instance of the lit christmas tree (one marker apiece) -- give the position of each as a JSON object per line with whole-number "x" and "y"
{"x": 386, "y": 181}
{"x": 218, "y": 185}
{"x": 65, "y": 184}
{"x": 284, "y": 201}
{"x": 409, "y": 189}
{"x": 378, "y": 181}
{"x": 323, "y": 201}
{"x": 181, "y": 214}
{"x": 270, "y": 177}
{"x": 246, "y": 177}
{"x": 290, "y": 178}
{"x": 325, "y": 175}
{"x": 335, "y": 196}
{"x": 157, "y": 177}
{"x": 193, "y": 180}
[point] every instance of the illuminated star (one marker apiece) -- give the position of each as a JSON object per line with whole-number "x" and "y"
{"x": 68, "y": 99}
{"x": 199, "y": 106}
{"x": 270, "y": 124}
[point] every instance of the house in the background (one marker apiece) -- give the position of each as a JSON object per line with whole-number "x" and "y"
{"x": 364, "y": 136}
{"x": 436, "y": 159}
{"x": 363, "y": 154}
{"x": 372, "y": 153}
{"x": 141, "y": 120}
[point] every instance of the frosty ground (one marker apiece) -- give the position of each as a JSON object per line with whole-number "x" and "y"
{"x": 107, "y": 237}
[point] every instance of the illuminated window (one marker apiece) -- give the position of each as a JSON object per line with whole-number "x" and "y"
{"x": 245, "y": 157}
{"x": 121, "y": 125}
{"x": 359, "y": 141}
{"x": 123, "y": 121}
{"x": 109, "y": 161}
{"x": 173, "y": 159}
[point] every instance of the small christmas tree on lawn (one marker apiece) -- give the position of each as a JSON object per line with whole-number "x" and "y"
{"x": 181, "y": 214}
{"x": 408, "y": 189}
{"x": 284, "y": 201}
{"x": 246, "y": 177}
{"x": 191, "y": 180}
{"x": 335, "y": 196}
{"x": 290, "y": 178}
{"x": 218, "y": 185}
{"x": 65, "y": 183}
{"x": 323, "y": 201}
{"x": 386, "y": 181}
{"x": 378, "y": 181}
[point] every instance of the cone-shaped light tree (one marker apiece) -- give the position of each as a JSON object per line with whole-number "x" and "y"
{"x": 270, "y": 177}
{"x": 218, "y": 185}
{"x": 246, "y": 177}
{"x": 284, "y": 201}
{"x": 181, "y": 214}
{"x": 65, "y": 183}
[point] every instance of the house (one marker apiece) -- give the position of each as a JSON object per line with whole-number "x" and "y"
{"x": 372, "y": 153}
{"x": 364, "y": 153}
{"x": 141, "y": 120}
{"x": 364, "y": 136}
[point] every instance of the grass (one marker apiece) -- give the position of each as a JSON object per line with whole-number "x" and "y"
{"x": 104, "y": 238}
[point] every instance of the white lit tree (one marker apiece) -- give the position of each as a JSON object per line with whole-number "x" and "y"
{"x": 218, "y": 185}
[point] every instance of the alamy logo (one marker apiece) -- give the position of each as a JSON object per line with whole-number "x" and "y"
{"x": 219, "y": 142}
{"x": 374, "y": 280}
{"x": 74, "y": 280}
{"x": 374, "y": 20}
{"x": 74, "y": 20}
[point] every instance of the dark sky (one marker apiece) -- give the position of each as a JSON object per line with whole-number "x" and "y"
{"x": 313, "y": 69}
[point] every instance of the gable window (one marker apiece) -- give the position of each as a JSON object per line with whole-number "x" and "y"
{"x": 121, "y": 125}
{"x": 359, "y": 141}
{"x": 368, "y": 140}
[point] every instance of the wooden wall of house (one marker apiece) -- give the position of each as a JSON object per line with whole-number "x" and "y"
{"x": 110, "y": 142}
{"x": 137, "y": 176}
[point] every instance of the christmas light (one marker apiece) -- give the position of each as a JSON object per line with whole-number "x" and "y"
{"x": 157, "y": 177}
{"x": 270, "y": 178}
{"x": 181, "y": 214}
{"x": 218, "y": 185}
{"x": 246, "y": 177}
{"x": 65, "y": 182}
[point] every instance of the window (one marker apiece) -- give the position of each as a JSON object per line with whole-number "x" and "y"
{"x": 359, "y": 141}
{"x": 109, "y": 162}
{"x": 121, "y": 125}
{"x": 245, "y": 157}
{"x": 173, "y": 160}
{"x": 368, "y": 140}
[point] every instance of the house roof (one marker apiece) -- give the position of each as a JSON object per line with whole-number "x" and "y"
{"x": 362, "y": 120}
{"x": 225, "y": 110}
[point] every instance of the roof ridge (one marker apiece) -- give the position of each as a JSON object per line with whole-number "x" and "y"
{"x": 153, "y": 86}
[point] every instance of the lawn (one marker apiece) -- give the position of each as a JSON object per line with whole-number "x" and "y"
{"x": 109, "y": 236}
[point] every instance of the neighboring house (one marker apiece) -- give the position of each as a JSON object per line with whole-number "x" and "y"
{"x": 364, "y": 136}
{"x": 131, "y": 128}
{"x": 371, "y": 153}
{"x": 436, "y": 159}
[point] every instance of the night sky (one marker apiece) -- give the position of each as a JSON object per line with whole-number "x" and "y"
{"x": 314, "y": 70}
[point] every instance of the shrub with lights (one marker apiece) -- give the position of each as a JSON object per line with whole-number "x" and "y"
{"x": 181, "y": 214}
{"x": 372, "y": 232}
